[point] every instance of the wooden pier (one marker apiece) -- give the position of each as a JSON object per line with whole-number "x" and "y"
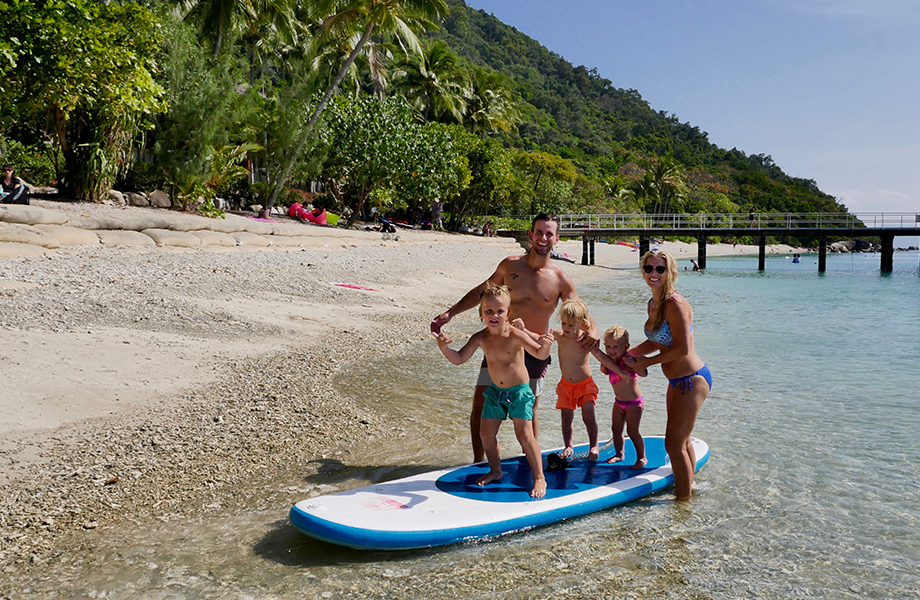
{"x": 820, "y": 226}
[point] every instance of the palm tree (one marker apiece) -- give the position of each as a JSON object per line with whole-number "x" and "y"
{"x": 435, "y": 83}
{"x": 224, "y": 18}
{"x": 373, "y": 60}
{"x": 670, "y": 183}
{"x": 346, "y": 17}
{"x": 490, "y": 107}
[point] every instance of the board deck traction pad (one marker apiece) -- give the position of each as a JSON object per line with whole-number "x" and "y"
{"x": 447, "y": 506}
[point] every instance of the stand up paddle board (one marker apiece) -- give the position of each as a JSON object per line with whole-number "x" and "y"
{"x": 447, "y": 506}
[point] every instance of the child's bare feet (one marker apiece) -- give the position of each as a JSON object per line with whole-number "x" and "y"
{"x": 593, "y": 453}
{"x": 539, "y": 488}
{"x": 616, "y": 458}
{"x": 489, "y": 477}
{"x": 640, "y": 464}
{"x": 569, "y": 451}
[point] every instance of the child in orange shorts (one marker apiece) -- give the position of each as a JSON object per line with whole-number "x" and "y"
{"x": 576, "y": 389}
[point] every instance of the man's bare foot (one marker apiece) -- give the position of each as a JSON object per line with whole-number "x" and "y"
{"x": 640, "y": 464}
{"x": 616, "y": 458}
{"x": 569, "y": 451}
{"x": 539, "y": 488}
{"x": 489, "y": 478}
{"x": 593, "y": 453}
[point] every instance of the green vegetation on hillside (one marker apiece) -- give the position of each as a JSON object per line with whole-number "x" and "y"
{"x": 246, "y": 99}
{"x": 613, "y": 136}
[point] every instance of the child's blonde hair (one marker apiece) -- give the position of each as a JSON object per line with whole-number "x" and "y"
{"x": 494, "y": 291}
{"x": 617, "y": 332}
{"x": 575, "y": 310}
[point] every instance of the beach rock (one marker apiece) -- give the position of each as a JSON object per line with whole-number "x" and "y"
{"x": 117, "y": 198}
{"x": 43, "y": 191}
{"x": 159, "y": 199}
{"x": 165, "y": 237}
{"x": 13, "y": 250}
{"x": 244, "y": 238}
{"x": 136, "y": 199}
{"x": 120, "y": 237}
{"x": 70, "y": 236}
{"x": 214, "y": 238}
{"x": 30, "y": 215}
{"x": 27, "y": 234}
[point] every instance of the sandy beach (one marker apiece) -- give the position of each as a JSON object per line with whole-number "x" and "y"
{"x": 146, "y": 381}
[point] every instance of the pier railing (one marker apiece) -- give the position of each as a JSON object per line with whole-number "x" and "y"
{"x": 728, "y": 221}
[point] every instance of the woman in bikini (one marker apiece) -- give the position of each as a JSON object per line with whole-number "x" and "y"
{"x": 669, "y": 332}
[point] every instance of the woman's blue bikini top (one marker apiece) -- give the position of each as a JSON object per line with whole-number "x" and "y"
{"x": 663, "y": 334}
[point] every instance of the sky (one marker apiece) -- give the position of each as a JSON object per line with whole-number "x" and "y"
{"x": 830, "y": 89}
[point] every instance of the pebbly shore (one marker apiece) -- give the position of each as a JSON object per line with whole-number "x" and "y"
{"x": 258, "y": 406}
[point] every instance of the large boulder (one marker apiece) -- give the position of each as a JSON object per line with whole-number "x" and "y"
{"x": 214, "y": 238}
{"x": 117, "y": 198}
{"x": 70, "y": 236}
{"x": 245, "y": 238}
{"x": 13, "y": 250}
{"x": 159, "y": 199}
{"x": 136, "y": 199}
{"x": 165, "y": 237}
{"x": 27, "y": 234}
{"x": 120, "y": 237}
{"x": 844, "y": 246}
{"x": 30, "y": 215}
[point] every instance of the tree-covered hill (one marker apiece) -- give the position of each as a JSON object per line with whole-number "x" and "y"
{"x": 612, "y": 134}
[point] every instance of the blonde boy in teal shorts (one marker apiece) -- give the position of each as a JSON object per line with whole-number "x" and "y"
{"x": 510, "y": 394}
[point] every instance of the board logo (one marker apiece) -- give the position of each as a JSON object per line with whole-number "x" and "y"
{"x": 383, "y": 503}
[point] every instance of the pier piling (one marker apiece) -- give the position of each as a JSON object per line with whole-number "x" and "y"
{"x": 887, "y": 253}
{"x": 822, "y": 253}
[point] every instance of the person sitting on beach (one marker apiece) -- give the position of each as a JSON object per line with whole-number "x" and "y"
{"x": 628, "y": 404}
{"x": 510, "y": 393}
{"x": 14, "y": 190}
{"x": 537, "y": 285}
{"x": 576, "y": 388}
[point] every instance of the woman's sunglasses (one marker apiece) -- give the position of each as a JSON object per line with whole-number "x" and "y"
{"x": 659, "y": 268}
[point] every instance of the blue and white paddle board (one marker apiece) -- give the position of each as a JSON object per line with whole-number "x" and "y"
{"x": 447, "y": 506}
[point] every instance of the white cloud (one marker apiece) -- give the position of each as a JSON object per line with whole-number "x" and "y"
{"x": 861, "y": 201}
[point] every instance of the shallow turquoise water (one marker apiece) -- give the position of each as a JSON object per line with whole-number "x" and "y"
{"x": 813, "y": 421}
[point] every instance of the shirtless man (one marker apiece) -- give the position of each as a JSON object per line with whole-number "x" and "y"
{"x": 537, "y": 285}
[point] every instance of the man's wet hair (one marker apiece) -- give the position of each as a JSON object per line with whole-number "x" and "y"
{"x": 545, "y": 217}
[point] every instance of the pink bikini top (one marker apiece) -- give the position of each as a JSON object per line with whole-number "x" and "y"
{"x": 615, "y": 378}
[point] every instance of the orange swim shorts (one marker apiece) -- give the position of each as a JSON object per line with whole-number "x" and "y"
{"x": 573, "y": 395}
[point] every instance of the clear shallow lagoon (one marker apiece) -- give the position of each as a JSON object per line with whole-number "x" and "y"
{"x": 810, "y": 491}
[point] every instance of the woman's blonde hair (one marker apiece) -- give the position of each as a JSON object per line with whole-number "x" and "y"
{"x": 667, "y": 289}
{"x": 576, "y": 310}
{"x": 617, "y": 332}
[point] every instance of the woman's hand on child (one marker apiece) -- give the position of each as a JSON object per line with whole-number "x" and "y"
{"x": 635, "y": 363}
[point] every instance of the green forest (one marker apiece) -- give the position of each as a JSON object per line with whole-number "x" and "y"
{"x": 388, "y": 104}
